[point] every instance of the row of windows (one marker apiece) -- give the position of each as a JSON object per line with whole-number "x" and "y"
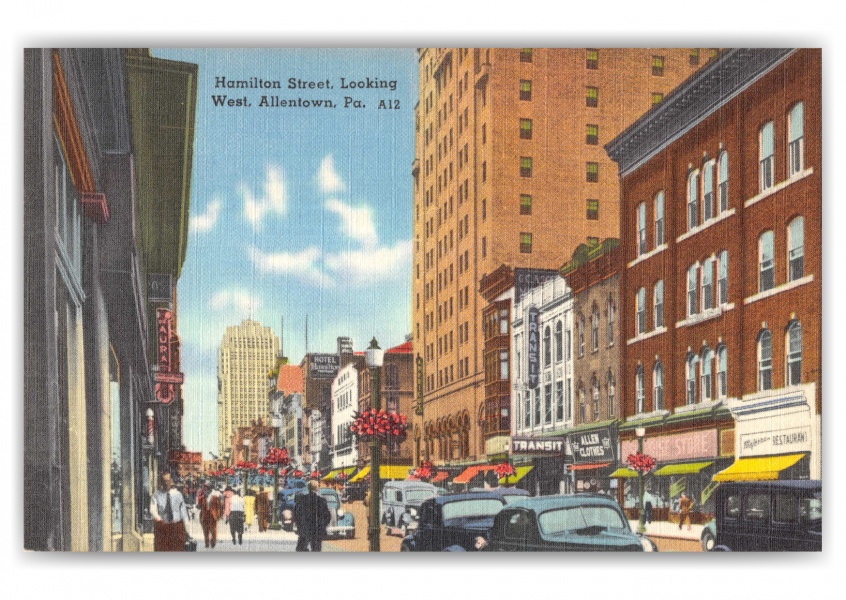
{"x": 795, "y": 255}
{"x": 592, "y": 59}
{"x": 540, "y": 408}
{"x": 795, "y": 147}
{"x": 702, "y": 204}
{"x": 701, "y": 295}
{"x": 700, "y": 368}
{"x": 610, "y": 315}
{"x": 610, "y": 395}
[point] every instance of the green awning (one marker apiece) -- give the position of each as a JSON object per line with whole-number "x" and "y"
{"x": 624, "y": 472}
{"x": 512, "y": 479}
{"x": 683, "y": 468}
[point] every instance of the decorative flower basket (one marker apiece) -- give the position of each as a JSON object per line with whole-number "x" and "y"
{"x": 505, "y": 470}
{"x": 381, "y": 424}
{"x": 642, "y": 463}
{"x": 424, "y": 472}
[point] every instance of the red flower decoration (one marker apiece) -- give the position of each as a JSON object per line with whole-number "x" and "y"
{"x": 341, "y": 475}
{"x": 505, "y": 470}
{"x": 642, "y": 463}
{"x": 297, "y": 473}
{"x": 276, "y": 457}
{"x": 382, "y": 424}
{"x": 315, "y": 475}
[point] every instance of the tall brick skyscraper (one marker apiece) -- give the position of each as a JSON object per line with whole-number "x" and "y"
{"x": 510, "y": 169}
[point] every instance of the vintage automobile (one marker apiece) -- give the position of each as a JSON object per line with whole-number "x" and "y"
{"x": 775, "y": 516}
{"x": 709, "y": 535}
{"x": 401, "y": 502}
{"x": 509, "y": 494}
{"x": 453, "y": 520}
{"x": 341, "y": 524}
{"x": 354, "y": 491}
{"x": 564, "y": 523}
{"x": 286, "y": 501}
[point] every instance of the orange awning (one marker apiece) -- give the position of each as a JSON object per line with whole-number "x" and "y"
{"x": 588, "y": 467}
{"x": 441, "y": 476}
{"x": 470, "y": 472}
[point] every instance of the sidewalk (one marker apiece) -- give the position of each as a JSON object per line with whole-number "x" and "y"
{"x": 666, "y": 529}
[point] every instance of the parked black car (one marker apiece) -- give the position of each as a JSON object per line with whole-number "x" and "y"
{"x": 571, "y": 523}
{"x": 774, "y": 516}
{"x": 355, "y": 491}
{"x": 453, "y": 520}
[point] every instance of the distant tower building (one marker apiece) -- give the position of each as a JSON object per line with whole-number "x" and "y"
{"x": 247, "y": 353}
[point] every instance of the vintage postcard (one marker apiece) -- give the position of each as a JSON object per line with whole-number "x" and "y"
{"x": 422, "y": 299}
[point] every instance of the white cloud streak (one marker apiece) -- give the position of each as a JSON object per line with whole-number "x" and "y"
{"x": 238, "y": 298}
{"x": 274, "y": 200}
{"x": 303, "y": 264}
{"x": 356, "y": 222}
{"x": 371, "y": 265}
{"x": 329, "y": 179}
{"x": 205, "y": 221}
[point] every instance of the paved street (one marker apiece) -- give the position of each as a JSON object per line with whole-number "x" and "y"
{"x": 284, "y": 541}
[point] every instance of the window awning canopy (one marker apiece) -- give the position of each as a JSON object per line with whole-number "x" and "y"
{"x": 758, "y": 468}
{"x": 334, "y": 474}
{"x": 385, "y": 472}
{"x": 683, "y": 468}
{"x": 470, "y": 472}
{"x": 624, "y": 472}
{"x": 589, "y": 466}
{"x": 522, "y": 471}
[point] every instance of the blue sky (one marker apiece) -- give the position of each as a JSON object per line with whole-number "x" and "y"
{"x": 295, "y": 211}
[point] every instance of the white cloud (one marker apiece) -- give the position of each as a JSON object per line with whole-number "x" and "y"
{"x": 238, "y": 298}
{"x": 356, "y": 221}
{"x": 303, "y": 264}
{"x": 207, "y": 220}
{"x": 371, "y": 265}
{"x": 274, "y": 200}
{"x": 329, "y": 179}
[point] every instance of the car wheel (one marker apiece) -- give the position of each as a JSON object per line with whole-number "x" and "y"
{"x": 404, "y": 529}
{"x": 351, "y": 534}
{"x": 708, "y": 541}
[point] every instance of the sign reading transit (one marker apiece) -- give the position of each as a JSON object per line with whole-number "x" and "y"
{"x": 533, "y": 349}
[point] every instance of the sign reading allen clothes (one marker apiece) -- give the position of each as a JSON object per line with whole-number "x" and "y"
{"x": 592, "y": 446}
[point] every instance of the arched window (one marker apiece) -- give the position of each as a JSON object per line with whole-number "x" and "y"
{"x": 796, "y": 249}
{"x": 693, "y": 200}
{"x": 793, "y": 345}
{"x": 527, "y": 409}
{"x": 692, "y": 296}
{"x": 765, "y": 156}
{"x": 595, "y": 392}
{"x": 708, "y": 284}
{"x": 547, "y": 346}
{"x": 658, "y": 304}
{"x": 581, "y": 335}
{"x": 722, "y": 277}
{"x": 640, "y": 307}
{"x": 582, "y": 404}
{"x": 612, "y": 394}
{"x": 708, "y": 208}
{"x": 766, "y": 262}
{"x": 723, "y": 188}
{"x": 559, "y": 341}
{"x": 796, "y": 139}
{"x": 611, "y": 316}
{"x": 658, "y": 386}
{"x": 707, "y": 370}
{"x": 659, "y": 218}
{"x": 690, "y": 372}
{"x": 641, "y": 228}
{"x": 639, "y": 391}
{"x": 765, "y": 360}
{"x": 594, "y": 328}
{"x": 722, "y": 371}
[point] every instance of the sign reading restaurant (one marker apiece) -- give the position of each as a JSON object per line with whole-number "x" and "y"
{"x": 592, "y": 446}
{"x": 323, "y": 366}
{"x": 525, "y": 445}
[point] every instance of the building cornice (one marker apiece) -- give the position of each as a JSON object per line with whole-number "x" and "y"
{"x": 732, "y": 72}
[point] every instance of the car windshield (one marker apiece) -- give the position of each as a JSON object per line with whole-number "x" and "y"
{"x": 512, "y": 498}
{"x": 462, "y": 509}
{"x": 418, "y": 495}
{"x": 581, "y": 519}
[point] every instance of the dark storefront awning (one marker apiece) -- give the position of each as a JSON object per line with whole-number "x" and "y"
{"x": 683, "y": 468}
{"x": 758, "y": 468}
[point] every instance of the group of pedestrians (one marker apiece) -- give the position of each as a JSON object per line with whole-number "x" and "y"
{"x": 170, "y": 515}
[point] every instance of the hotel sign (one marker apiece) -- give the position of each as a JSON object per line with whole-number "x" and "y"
{"x": 323, "y": 366}
{"x": 533, "y": 350}
{"x": 592, "y": 446}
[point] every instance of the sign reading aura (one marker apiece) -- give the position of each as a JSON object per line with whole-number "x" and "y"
{"x": 167, "y": 378}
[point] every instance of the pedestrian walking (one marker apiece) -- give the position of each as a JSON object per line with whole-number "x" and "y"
{"x": 210, "y": 502}
{"x": 647, "y": 512}
{"x": 167, "y": 505}
{"x": 236, "y": 518}
{"x": 685, "y": 504}
{"x": 227, "y": 498}
{"x": 263, "y": 510}
{"x": 311, "y": 516}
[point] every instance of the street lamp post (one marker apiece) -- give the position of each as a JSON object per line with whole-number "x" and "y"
{"x": 246, "y": 461}
{"x": 374, "y": 356}
{"x": 640, "y": 432}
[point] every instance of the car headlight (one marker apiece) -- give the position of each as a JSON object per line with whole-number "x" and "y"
{"x": 647, "y": 544}
{"x": 412, "y": 511}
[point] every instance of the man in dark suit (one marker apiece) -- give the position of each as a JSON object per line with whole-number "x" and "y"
{"x": 311, "y": 516}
